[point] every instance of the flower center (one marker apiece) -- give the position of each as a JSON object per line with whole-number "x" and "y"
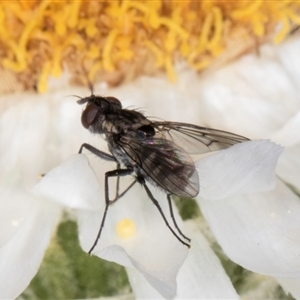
{"x": 125, "y": 228}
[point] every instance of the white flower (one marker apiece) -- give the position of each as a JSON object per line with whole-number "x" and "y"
{"x": 256, "y": 230}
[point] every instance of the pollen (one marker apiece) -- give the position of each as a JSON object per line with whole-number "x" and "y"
{"x": 125, "y": 229}
{"x": 114, "y": 41}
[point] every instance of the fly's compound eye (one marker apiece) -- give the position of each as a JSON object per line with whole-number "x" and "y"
{"x": 88, "y": 115}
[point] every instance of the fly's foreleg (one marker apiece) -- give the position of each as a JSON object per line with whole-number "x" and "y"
{"x": 114, "y": 173}
{"x": 97, "y": 152}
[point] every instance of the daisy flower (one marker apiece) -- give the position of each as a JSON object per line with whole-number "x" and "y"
{"x": 45, "y": 45}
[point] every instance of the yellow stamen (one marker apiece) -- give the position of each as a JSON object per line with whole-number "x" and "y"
{"x": 112, "y": 34}
{"x": 94, "y": 51}
{"x": 246, "y": 11}
{"x": 42, "y": 84}
{"x": 157, "y": 53}
{"x": 293, "y": 16}
{"x": 109, "y": 44}
{"x": 258, "y": 22}
{"x": 94, "y": 69}
{"x": 202, "y": 64}
{"x": 214, "y": 43}
{"x": 31, "y": 25}
{"x": 56, "y": 67}
{"x": 205, "y": 32}
{"x": 74, "y": 14}
{"x": 170, "y": 68}
{"x": 284, "y": 29}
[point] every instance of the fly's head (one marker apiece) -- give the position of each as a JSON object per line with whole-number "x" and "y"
{"x": 96, "y": 110}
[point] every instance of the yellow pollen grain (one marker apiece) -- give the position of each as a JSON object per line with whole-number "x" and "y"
{"x": 56, "y": 67}
{"x": 74, "y": 14}
{"x": 156, "y": 51}
{"x": 202, "y": 65}
{"x": 94, "y": 51}
{"x": 125, "y": 229}
{"x": 284, "y": 29}
{"x": 107, "y": 61}
{"x": 174, "y": 27}
{"x": 32, "y": 24}
{"x": 60, "y": 28}
{"x": 94, "y": 69}
{"x": 293, "y": 16}
{"x": 205, "y": 32}
{"x": 248, "y": 10}
{"x": 213, "y": 44}
{"x": 170, "y": 69}
{"x": 258, "y": 22}
{"x": 42, "y": 84}
{"x": 91, "y": 29}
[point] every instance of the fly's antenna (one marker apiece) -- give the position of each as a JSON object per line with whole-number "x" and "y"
{"x": 88, "y": 81}
{"x": 90, "y": 85}
{"x": 80, "y": 101}
{"x": 74, "y": 96}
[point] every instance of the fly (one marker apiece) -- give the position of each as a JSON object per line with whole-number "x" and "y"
{"x": 153, "y": 152}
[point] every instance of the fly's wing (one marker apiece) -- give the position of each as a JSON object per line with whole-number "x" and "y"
{"x": 168, "y": 165}
{"x": 195, "y": 139}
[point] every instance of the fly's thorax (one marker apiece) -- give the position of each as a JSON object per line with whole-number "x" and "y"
{"x": 108, "y": 127}
{"x": 124, "y": 121}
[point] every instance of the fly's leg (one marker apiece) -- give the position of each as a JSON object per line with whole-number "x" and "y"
{"x": 118, "y": 185}
{"x": 173, "y": 218}
{"x": 141, "y": 180}
{"x": 108, "y": 157}
{"x": 114, "y": 173}
{"x": 97, "y": 152}
{"x": 118, "y": 196}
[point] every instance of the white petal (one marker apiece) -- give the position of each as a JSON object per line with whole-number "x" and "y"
{"x": 289, "y": 166}
{"x": 259, "y": 231}
{"x": 153, "y": 249}
{"x": 244, "y": 168}
{"x": 23, "y": 139}
{"x": 29, "y": 221}
{"x": 73, "y": 184}
{"x": 38, "y": 132}
{"x": 198, "y": 276}
{"x": 246, "y": 96}
{"x": 288, "y": 135}
{"x": 288, "y": 55}
{"x": 141, "y": 287}
{"x": 290, "y": 285}
{"x": 202, "y": 271}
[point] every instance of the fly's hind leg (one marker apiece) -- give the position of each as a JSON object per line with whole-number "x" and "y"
{"x": 173, "y": 218}
{"x": 141, "y": 180}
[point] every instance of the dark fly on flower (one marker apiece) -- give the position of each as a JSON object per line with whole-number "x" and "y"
{"x": 153, "y": 152}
